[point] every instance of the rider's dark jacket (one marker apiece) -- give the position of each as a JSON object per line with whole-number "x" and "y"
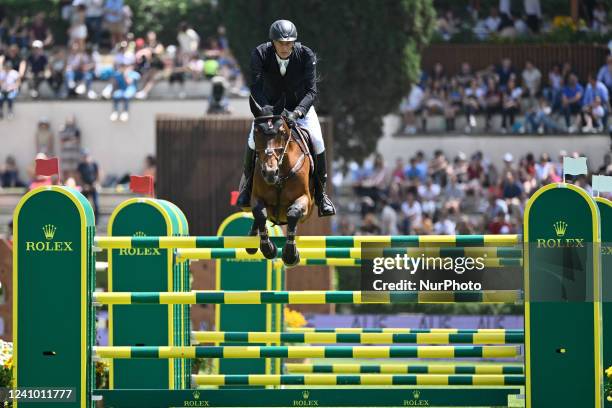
{"x": 299, "y": 84}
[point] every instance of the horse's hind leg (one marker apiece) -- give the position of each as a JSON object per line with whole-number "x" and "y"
{"x": 267, "y": 247}
{"x": 291, "y": 255}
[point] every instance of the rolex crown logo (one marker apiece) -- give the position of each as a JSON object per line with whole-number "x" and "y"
{"x": 139, "y": 234}
{"x": 416, "y": 394}
{"x": 196, "y": 395}
{"x": 305, "y": 394}
{"x": 560, "y": 228}
{"x": 49, "y": 231}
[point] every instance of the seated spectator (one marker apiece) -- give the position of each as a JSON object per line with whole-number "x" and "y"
{"x": 397, "y": 174}
{"x": 411, "y": 210}
{"x": 555, "y": 87}
{"x": 151, "y": 66}
{"x": 475, "y": 169}
{"x": 531, "y": 79}
{"x": 434, "y": 102}
{"x": 493, "y": 101}
{"x": 37, "y": 68}
{"x": 454, "y": 103}
{"x": 600, "y": 18}
{"x": 460, "y": 167}
{"x": 39, "y": 31}
{"x": 595, "y": 105}
{"x": 188, "y": 41}
{"x": 533, "y": 12}
{"x": 571, "y": 101}
{"x": 44, "y": 138}
{"x": 9, "y": 88}
{"x": 473, "y": 101}
{"x": 606, "y": 168}
{"x": 94, "y": 15}
{"x": 429, "y": 193}
{"x": 57, "y": 66}
{"x": 113, "y": 20}
{"x": 410, "y": 107}
{"x": 438, "y": 168}
{"x": 125, "y": 84}
{"x": 511, "y": 104}
{"x": 79, "y": 72}
{"x": 18, "y": 33}
{"x": 511, "y": 187}
{"x": 465, "y": 75}
{"x": 438, "y": 74}
{"x": 376, "y": 182}
{"x": 539, "y": 118}
{"x": 447, "y": 25}
{"x": 176, "y": 70}
{"x": 9, "y": 174}
{"x": 414, "y": 172}
{"x": 370, "y": 225}
{"x": 504, "y": 72}
{"x": 605, "y": 74}
{"x": 493, "y": 21}
{"x": 388, "y": 218}
{"x": 78, "y": 28}
{"x": 443, "y": 225}
{"x": 18, "y": 63}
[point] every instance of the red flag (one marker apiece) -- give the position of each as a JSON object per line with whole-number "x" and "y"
{"x": 141, "y": 185}
{"x": 47, "y": 167}
{"x": 233, "y": 197}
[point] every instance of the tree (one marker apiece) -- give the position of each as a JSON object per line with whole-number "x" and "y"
{"x": 368, "y": 55}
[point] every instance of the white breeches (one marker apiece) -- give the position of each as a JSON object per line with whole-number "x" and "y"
{"x": 310, "y": 122}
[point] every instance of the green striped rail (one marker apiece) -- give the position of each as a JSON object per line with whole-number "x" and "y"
{"x": 309, "y": 241}
{"x": 402, "y": 368}
{"x": 358, "y": 379}
{"x": 304, "y": 297}
{"x": 360, "y": 338}
{"x": 125, "y": 352}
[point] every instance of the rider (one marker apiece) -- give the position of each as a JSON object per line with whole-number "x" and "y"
{"x": 286, "y": 67}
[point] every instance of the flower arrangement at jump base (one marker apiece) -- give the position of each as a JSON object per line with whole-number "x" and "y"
{"x": 293, "y": 318}
{"x": 6, "y": 363}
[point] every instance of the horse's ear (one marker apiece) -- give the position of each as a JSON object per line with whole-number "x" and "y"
{"x": 255, "y": 108}
{"x": 280, "y": 106}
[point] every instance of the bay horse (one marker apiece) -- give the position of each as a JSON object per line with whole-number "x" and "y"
{"x": 282, "y": 190}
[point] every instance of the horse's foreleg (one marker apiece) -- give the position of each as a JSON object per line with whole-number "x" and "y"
{"x": 291, "y": 256}
{"x": 267, "y": 247}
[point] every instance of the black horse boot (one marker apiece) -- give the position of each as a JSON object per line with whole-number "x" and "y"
{"x": 246, "y": 181}
{"x": 324, "y": 203}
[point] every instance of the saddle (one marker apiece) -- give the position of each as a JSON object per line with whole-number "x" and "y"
{"x": 302, "y": 137}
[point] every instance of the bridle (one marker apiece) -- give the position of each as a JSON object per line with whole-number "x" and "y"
{"x": 272, "y": 151}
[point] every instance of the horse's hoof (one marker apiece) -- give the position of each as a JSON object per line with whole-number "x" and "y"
{"x": 268, "y": 249}
{"x": 291, "y": 256}
{"x": 251, "y": 251}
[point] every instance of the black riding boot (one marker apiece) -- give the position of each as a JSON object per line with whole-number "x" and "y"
{"x": 326, "y": 207}
{"x": 246, "y": 181}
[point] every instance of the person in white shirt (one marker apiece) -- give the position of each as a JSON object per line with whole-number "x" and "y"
{"x": 493, "y": 22}
{"x": 534, "y": 14}
{"x": 532, "y": 78}
{"x": 411, "y": 105}
{"x": 188, "y": 41}
{"x": 9, "y": 88}
{"x": 411, "y": 209}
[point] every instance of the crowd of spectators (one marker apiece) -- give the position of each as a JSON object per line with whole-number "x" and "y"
{"x": 526, "y": 100}
{"x": 510, "y": 19}
{"x": 101, "y": 47}
{"x": 458, "y": 195}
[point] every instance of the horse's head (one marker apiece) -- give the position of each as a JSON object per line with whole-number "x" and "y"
{"x": 271, "y": 138}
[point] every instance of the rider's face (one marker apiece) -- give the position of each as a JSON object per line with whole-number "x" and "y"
{"x": 283, "y": 48}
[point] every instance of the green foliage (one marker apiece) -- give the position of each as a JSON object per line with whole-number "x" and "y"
{"x": 164, "y": 16}
{"x": 368, "y": 54}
